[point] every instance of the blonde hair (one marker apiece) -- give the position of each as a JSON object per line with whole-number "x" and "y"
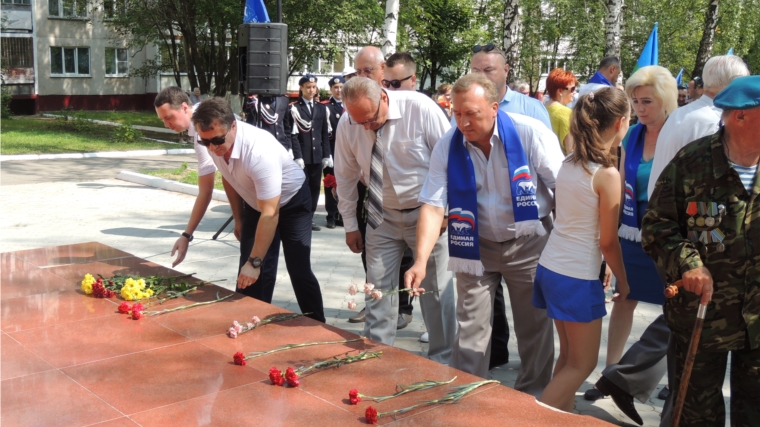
{"x": 660, "y": 80}
{"x": 466, "y": 83}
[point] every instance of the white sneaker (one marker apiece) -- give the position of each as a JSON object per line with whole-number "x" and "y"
{"x": 425, "y": 337}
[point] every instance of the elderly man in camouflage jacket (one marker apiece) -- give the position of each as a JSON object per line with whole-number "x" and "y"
{"x": 703, "y": 226}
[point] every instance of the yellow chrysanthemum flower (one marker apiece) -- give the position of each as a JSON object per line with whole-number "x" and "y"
{"x": 87, "y": 283}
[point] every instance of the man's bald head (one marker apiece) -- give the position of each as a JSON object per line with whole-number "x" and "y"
{"x": 494, "y": 66}
{"x": 370, "y": 62}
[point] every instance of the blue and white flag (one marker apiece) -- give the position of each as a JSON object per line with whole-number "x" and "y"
{"x": 678, "y": 77}
{"x": 255, "y": 11}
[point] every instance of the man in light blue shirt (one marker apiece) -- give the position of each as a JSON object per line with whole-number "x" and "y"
{"x": 490, "y": 61}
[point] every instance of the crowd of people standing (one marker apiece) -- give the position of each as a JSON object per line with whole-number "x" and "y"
{"x": 481, "y": 184}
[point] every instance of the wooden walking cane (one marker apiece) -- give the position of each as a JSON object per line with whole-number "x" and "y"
{"x": 670, "y": 292}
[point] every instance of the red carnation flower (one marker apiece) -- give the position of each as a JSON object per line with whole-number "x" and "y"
{"x": 275, "y": 375}
{"x": 137, "y": 310}
{"x": 371, "y": 415}
{"x": 330, "y": 181}
{"x": 353, "y": 396}
{"x": 239, "y": 358}
{"x": 124, "y": 308}
{"x": 292, "y": 378}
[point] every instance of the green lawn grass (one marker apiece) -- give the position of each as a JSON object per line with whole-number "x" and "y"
{"x": 183, "y": 174}
{"x": 44, "y": 136}
{"x": 142, "y": 118}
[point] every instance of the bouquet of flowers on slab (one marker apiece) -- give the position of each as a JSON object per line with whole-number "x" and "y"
{"x": 377, "y": 294}
{"x": 133, "y": 288}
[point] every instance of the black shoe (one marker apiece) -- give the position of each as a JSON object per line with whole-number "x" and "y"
{"x": 314, "y": 227}
{"x": 330, "y": 222}
{"x": 403, "y": 320}
{"x": 664, "y": 393}
{"x": 497, "y": 361}
{"x": 623, "y": 400}
{"x": 358, "y": 318}
{"x": 593, "y": 394}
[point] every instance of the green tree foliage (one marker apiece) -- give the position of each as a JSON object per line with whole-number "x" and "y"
{"x": 439, "y": 34}
{"x": 321, "y": 29}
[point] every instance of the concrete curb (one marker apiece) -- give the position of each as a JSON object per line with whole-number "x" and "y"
{"x": 165, "y": 184}
{"x": 135, "y": 153}
{"x": 168, "y": 185}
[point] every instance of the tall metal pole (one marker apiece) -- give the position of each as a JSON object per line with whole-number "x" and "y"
{"x": 279, "y": 11}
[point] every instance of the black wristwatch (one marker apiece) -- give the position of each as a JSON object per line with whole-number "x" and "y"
{"x": 255, "y": 262}
{"x": 189, "y": 237}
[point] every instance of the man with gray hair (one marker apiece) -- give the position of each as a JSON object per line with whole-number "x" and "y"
{"x": 386, "y": 139}
{"x": 496, "y": 230}
{"x": 697, "y": 119}
{"x": 369, "y": 62}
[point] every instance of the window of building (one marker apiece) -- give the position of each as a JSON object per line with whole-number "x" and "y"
{"x": 117, "y": 62}
{"x": 112, "y": 8}
{"x": 17, "y": 52}
{"x": 21, "y": 2}
{"x": 167, "y": 58}
{"x": 70, "y": 61}
{"x": 67, "y": 8}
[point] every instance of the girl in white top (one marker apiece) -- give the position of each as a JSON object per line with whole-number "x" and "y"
{"x": 567, "y": 281}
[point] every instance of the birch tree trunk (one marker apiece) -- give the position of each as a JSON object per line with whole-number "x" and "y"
{"x": 390, "y": 28}
{"x": 708, "y": 37}
{"x": 612, "y": 27}
{"x": 512, "y": 35}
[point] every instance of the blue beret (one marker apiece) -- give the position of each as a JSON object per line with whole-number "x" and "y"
{"x": 742, "y": 93}
{"x": 309, "y": 78}
{"x": 335, "y": 80}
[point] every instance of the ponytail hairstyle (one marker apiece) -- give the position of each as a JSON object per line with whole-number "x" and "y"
{"x": 593, "y": 114}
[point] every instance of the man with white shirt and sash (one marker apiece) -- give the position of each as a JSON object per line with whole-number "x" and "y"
{"x": 495, "y": 230}
{"x": 386, "y": 139}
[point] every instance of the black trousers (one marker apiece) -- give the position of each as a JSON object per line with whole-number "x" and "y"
{"x": 500, "y": 331}
{"x": 331, "y": 205}
{"x": 404, "y": 299}
{"x": 294, "y": 231}
{"x": 314, "y": 180}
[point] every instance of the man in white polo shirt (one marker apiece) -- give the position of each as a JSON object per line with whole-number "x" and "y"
{"x": 261, "y": 172}
{"x": 174, "y": 108}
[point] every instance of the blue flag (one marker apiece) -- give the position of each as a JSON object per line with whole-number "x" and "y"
{"x": 730, "y": 51}
{"x": 678, "y": 77}
{"x": 650, "y": 55}
{"x": 255, "y": 11}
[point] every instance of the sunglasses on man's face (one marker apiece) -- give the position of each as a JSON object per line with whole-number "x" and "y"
{"x": 217, "y": 140}
{"x": 394, "y": 83}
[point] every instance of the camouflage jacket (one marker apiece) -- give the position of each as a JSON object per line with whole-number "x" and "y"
{"x": 698, "y": 178}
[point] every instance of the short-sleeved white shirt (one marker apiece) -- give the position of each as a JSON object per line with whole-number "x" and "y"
{"x": 259, "y": 167}
{"x": 496, "y": 221}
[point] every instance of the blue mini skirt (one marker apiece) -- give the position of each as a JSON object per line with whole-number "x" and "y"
{"x": 567, "y": 298}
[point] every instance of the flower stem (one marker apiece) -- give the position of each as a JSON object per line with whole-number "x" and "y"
{"x": 404, "y": 389}
{"x": 338, "y": 362}
{"x": 256, "y": 354}
{"x": 452, "y": 397}
{"x": 184, "y": 307}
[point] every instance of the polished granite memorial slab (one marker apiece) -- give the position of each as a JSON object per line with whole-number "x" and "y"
{"x": 69, "y": 359}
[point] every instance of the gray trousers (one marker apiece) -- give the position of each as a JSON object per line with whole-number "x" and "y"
{"x": 385, "y": 247}
{"x": 641, "y": 368}
{"x": 515, "y": 261}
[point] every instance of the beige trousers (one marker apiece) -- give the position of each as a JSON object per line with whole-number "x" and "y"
{"x": 515, "y": 261}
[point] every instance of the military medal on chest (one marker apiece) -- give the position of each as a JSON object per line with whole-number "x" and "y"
{"x": 712, "y": 212}
{"x": 702, "y": 209}
{"x": 718, "y": 236}
{"x": 691, "y": 210}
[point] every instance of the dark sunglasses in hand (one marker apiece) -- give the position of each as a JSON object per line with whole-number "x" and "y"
{"x": 394, "y": 83}
{"x": 217, "y": 140}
